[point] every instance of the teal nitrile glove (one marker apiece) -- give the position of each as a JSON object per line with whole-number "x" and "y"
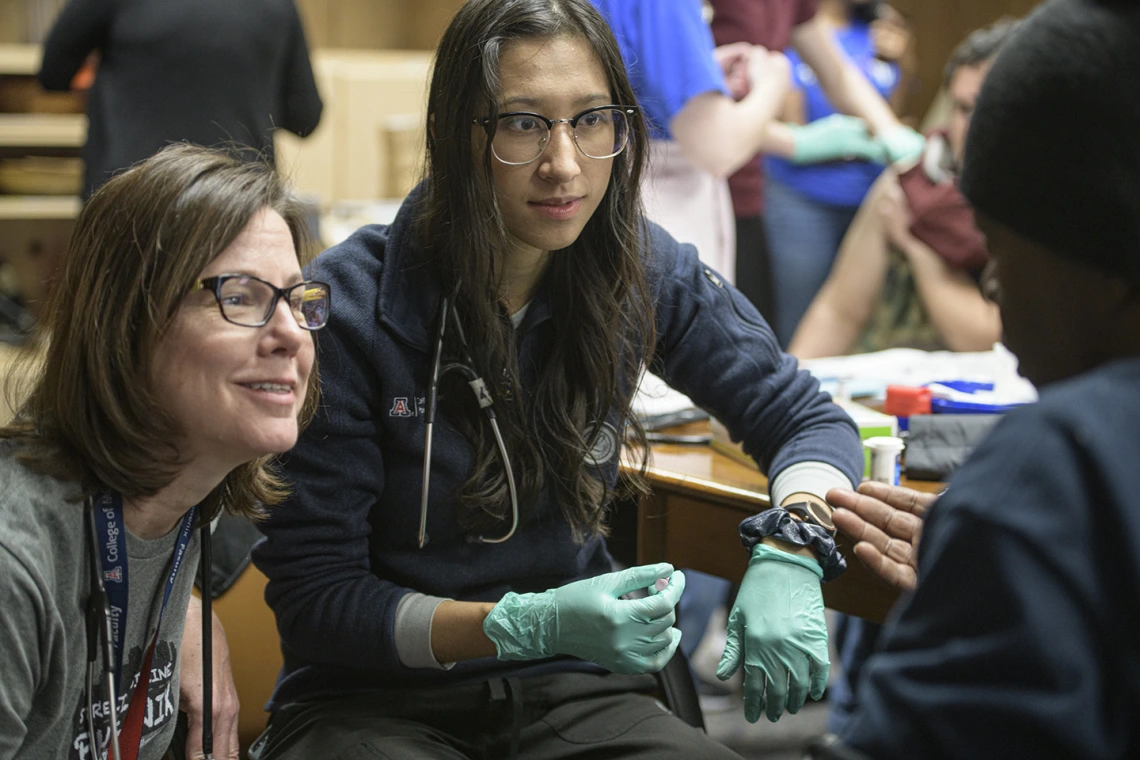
{"x": 835, "y": 138}
{"x": 777, "y": 627}
{"x": 588, "y": 619}
{"x": 902, "y": 143}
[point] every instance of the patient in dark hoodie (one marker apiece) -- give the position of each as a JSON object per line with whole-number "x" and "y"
{"x": 1022, "y": 636}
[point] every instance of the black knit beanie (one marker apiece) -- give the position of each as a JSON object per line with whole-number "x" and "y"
{"x": 1053, "y": 150}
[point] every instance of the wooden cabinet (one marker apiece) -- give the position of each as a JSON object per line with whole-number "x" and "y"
{"x": 40, "y": 175}
{"x": 939, "y": 27}
{"x": 371, "y": 136}
{"x": 53, "y": 134}
{"x": 376, "y": 24}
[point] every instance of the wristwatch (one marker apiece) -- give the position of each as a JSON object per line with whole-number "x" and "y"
{"x": 814, "y": 513}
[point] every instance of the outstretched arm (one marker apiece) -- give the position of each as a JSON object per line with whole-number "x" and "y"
{"x": 846, "y": 88}
{"x": 886, "y": 523}
{"x": 851, "y": 93}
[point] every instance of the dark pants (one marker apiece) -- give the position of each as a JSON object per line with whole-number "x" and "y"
{"x": 803, "y": 236}
{"x": 855, "y": 641}
{"x": 753, "y": 267}
{"x": 552, "y": 717}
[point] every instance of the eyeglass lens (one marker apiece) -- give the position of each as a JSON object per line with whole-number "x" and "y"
{"x": 250, "y": 302}
{"x": 521, "y": 138}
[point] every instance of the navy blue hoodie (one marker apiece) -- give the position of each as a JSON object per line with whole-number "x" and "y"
{"x": 342, "y": 552}
{"x": 1022, "y": 639}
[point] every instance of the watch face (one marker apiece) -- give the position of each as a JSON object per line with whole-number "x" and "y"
{"x": 821, "y": 515}
{"x": 813, "y": 512}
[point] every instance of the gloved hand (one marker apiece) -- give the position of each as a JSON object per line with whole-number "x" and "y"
{"x": 777, "y": 628}
{"x": 589, "y": 620}
{"x": 834, "y": 138}
{"x": 902, "y": 143}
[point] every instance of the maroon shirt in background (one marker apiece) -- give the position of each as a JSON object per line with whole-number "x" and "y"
{"x": 941, "y": 216}
{"x": 768, "y": 23}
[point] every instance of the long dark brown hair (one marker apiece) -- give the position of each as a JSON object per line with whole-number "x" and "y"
{"x": 602, "y": 310}
{"x": 91, "y": 413}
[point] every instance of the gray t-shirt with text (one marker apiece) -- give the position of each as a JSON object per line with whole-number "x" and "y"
{"x": 44, "y": 582}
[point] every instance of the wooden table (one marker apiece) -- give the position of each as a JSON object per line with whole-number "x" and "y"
{"x": 699, "y": 498}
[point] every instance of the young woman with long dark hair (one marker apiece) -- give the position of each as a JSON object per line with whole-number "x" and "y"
{"x": 440, "y": 577}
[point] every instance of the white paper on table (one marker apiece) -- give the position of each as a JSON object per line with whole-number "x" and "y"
{"x": 655, "y": 398}
{"x": 870, "y": 374}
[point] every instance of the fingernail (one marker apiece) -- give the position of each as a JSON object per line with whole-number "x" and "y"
{"x": 661, "y": 584}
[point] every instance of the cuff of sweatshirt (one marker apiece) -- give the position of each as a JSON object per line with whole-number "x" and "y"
{"x": 413, "y": 631}
{"x": 816, "y": 478}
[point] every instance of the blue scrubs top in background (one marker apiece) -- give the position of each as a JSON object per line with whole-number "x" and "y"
{"x": 838, "y": 183}
{"x": 668, "y": 52}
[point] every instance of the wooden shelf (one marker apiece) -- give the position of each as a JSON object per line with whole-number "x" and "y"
{"x": 33, "y": 130}
{"x": 20, "y": 59}
{"x": 39, "y": 207}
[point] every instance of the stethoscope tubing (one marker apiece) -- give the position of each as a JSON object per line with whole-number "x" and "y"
{"x": 479, "y": 388}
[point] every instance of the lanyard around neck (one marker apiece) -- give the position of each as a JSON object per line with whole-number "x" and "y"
{"x": 110, "y": 531}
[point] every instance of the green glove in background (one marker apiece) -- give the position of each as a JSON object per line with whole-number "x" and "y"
{"x": 835, "y": 138}
{"x": 902, "y": 143}
{"x": 588, "y": 619}
{"x": 778, "y": 629}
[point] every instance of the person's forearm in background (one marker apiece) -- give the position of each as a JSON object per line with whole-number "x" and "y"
{"x": 847, "y": 90}
{"x": 965, "y": 320}
{"x": 719, "y": 135}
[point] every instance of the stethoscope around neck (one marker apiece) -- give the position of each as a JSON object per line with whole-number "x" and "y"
{"x": 465, "y": 367}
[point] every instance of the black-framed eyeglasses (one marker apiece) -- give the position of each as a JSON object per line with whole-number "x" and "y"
{"x": 520, "y": 137}
{"x": 248, "y": 301}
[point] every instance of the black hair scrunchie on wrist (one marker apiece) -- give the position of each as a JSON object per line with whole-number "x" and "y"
{"x": 777, "y": 523}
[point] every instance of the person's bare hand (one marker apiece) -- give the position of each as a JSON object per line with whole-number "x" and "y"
{"x": 225, "y": 698}
{"x": 733, "y": 59}
{"x": 895, "y": 214}
{"x": 890, "y": 34}
{"x": 769, "y": 72}
{"x": 886, "y": 524}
